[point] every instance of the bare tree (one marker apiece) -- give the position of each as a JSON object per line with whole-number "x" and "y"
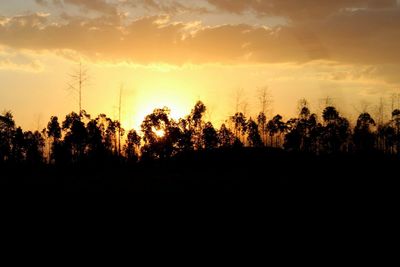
{"x": 265, "y": 99}
{"x": 301, "y": 104}
{"x": 362, "y": 107}
{"x": 395, "y": 101}
{"x": 79, "y": 79}
{"x": 379, "y": 112}
{"x": 119, "y": 118}
{"x": 240, "y": 103}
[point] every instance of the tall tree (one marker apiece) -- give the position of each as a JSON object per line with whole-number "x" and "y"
{"x": 336, "y": 131}
{"x": 196, "y": 123}
{"x": 363, "y": 137}
{"x": 156, "y": 129}
{"x": 262, "y": 122}
{"x": 132, "y": 145}
{"x": 210, "y": 136}
{"x": 7, "y": 129}
{"x": 395, "y": 122}
{"x": 34, "y": 144}
{"x": 54, "y": 134}
{"x": 225, "y": 137}
{"x": 240, "y": 125}
{"x": 79, "y": 79}
{"x": 18, "y": 146}
{"x": 275, "y": 128}
{"x": 75, "y": 135}
{"x": 253, "y": 136}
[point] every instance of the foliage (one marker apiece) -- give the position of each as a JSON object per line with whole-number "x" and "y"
{"x": 81, "y": 137}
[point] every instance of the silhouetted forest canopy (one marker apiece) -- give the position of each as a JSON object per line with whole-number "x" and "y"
{"x": 193, "y": 145}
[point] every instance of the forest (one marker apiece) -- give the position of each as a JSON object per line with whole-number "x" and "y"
{"x": 83, "y": 152}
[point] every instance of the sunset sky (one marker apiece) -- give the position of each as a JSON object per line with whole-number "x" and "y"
{"x": 175, "y": 52}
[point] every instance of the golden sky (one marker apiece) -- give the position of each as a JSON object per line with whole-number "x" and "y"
{"x": 175, "y": 52}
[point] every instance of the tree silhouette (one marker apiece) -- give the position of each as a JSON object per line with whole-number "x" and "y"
{"x": 75, "y": 136}
{"x": 54, "y": 133}
{"x": 363, "y": 137}
{"x": 34, "y": 144}
{"x": 157, "y": 146}
{"x": 240, "y": 125}
{"x": 132, "y": 145}
{"x": 18, "y": 146}
{"x": 395, "y": 122}
{"x": 335, "y": 131}
{"x": 303, "y": 133}
{"x": 184, "y": 133}
{"x": 262, "y": 122}
{"x": 225, "y": 137}
{"x": 275, "y": 127}
{"x": 96, "y": 142}
{"x": 253, "y": 136}
{"x": 387, "y": 133}
{"x": 7, "y": 128}
{"x": 210, "y": 136}
{"x": 82, "y": 139}
{"x": 196, "y": 123}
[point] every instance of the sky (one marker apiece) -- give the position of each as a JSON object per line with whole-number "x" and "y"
{"x": 175, "y": 52}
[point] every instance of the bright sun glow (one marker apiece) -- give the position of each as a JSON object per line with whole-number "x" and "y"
{"x": 177, "y": 100}
{"x": 160, "y": 133}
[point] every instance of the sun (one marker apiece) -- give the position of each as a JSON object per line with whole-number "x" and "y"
{"x": 159, "y": 133}
{"x": 177, "y": 100}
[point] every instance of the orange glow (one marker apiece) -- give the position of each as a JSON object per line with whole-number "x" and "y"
{"x": 160, "y": 133}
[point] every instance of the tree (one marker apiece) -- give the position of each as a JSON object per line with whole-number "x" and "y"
{"x": 34, "y": 144}
{"x": 335, "y": 132}
{"x": 262, "y": 122}
{"x": 79, "y": 79}
{"x": 7, "y": 128}
{"x": 330, "y": 115}
{"x": 132, "y": 145}
{"x": 18, "y": 146}
{"x": 303, "y": 132}
{"x": 209, "y": 136}
{"x": 196, "y": 123}
{"x": 157, "y": 135}
{"x": 240, "y": 125}
{"x": 253, "y": 135}
{"x": 363, "y": 137}
{"x": 396, "y": 125}
{"x": 275, "y": 127}
{"x": 75, "y": 135}
{"x": 95, "y": 139}
{"x": 265, "y": 100}
{"x": 184, "y": 133}
{"x": 387, "y": 133}
{"x": 225, "y": 137}
{"x": 54, "y": 133}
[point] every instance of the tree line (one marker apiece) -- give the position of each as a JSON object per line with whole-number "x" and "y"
{"x": 81, "y": 137}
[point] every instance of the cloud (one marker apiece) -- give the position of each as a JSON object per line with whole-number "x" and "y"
{"x": 17, "y": 61}
{"x": 149, "y": 40}
{"x": 367, "y": 35}
{"x": 101, "y": 6}
{"x": 165, "y": 6}
{"x": 309, "y": 9}
{"x": 112, "y": 7}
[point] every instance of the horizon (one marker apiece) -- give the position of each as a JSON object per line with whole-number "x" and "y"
{"x": 174, "y": 53}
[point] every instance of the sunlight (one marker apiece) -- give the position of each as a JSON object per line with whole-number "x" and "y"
{"x": 179, "y": 102}
{"x": 160, "y": 133}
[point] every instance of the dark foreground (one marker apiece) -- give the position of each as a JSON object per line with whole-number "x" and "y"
{"x": 242, "y": 170}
